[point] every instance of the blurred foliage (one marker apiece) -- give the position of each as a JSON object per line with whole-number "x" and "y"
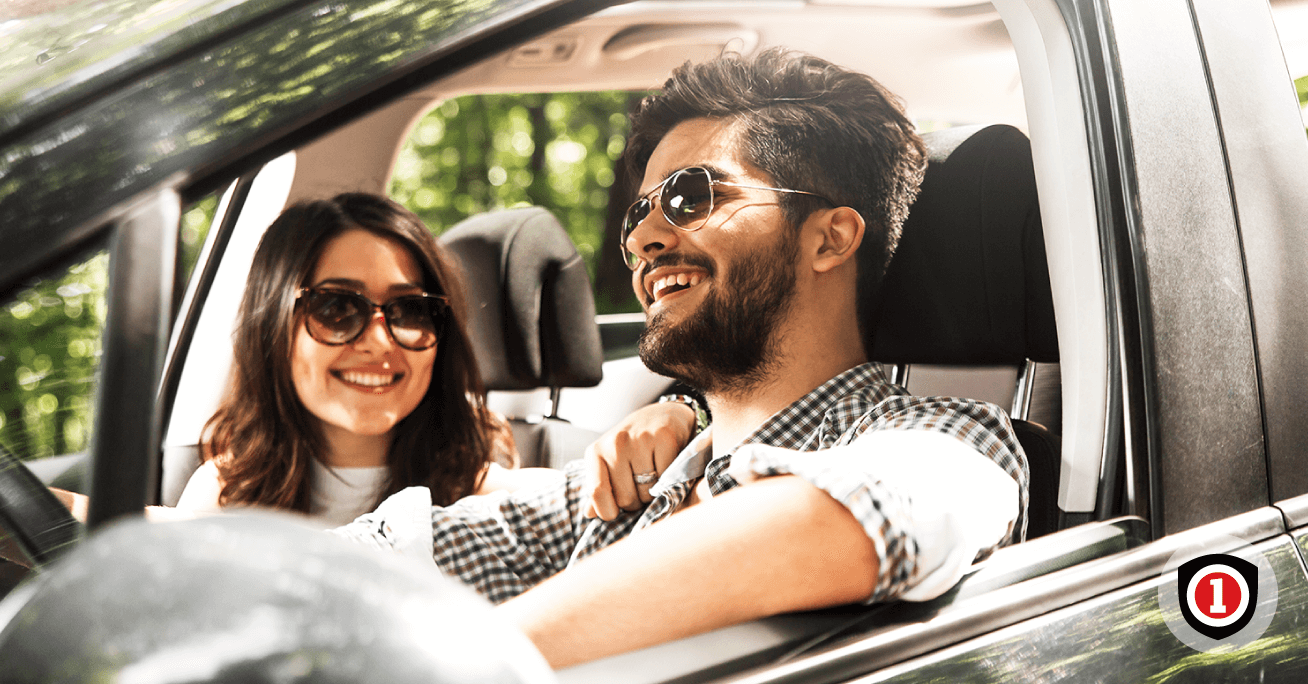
{"x": 50, "y": 343}
{"x": 49, "y": 354}
{"x": 558, "y": 150}
{"x": 1301, "y": 88}
{"x": 195, "y": 228}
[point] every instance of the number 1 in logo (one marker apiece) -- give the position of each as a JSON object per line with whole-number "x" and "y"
{"x": 1218, "y": 593}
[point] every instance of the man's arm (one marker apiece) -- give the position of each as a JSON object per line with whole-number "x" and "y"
{"x": 805, "y": 530}
{"x": 775, "y": 546}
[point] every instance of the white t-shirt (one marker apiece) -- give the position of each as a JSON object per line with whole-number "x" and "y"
{"x": 339, "y": 495}
{"x": 336, "y": 495}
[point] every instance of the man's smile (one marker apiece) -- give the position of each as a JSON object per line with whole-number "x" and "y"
{"x": 664, "y": 282}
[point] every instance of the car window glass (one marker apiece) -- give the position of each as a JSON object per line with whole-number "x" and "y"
{"x": 556, "y": 150}
{"x": 50, "y": 341}
{"x": 1291, "y": 21}
{"x": 196, "y": 221}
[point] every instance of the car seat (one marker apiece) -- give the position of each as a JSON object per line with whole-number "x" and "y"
{"x": 531, "y": 320}
{"x": 966, "y": 308}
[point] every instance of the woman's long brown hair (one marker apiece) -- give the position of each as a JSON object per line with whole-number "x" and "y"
{"x": 263, "y": 437}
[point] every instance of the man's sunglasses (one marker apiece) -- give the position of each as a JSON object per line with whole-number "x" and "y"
{"x": 336, "y": 317}
{"x": 686, "y": 200}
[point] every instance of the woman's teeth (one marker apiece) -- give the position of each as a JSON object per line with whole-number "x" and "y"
{"x": 667, "y": 283}
{"x": 369, "y": 379}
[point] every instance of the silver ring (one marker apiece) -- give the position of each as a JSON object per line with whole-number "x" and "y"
{"x": 646, "y": 478}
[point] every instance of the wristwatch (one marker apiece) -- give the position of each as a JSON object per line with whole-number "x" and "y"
{"x": 701, "y": 415}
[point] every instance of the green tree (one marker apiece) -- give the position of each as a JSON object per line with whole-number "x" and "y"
{"x": 49, "y": 354}
{"x": 559, "y": 150}
{"x": 1301, "y": 87}
{"x": 50, "y": 338}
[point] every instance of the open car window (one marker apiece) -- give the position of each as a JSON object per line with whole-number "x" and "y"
{"x": 561, "y": 151}
{"x": 50, "y": 345}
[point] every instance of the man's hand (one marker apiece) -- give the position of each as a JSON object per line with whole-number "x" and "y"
{"x": 644, "y": 444}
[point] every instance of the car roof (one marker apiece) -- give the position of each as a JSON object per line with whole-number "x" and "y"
{"x": 58, "y": 58}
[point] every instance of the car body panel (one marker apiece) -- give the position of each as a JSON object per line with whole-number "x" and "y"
{"x": 1122, "y": 637}
{"x": 1018, "y": 609}
{"x": 830, "y": 644}
{"x": 1266, "y": 153}
{"x": 135, "y": 338}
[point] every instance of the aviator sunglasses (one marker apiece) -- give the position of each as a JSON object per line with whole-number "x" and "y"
{"x": 686, "y": 200}
{"x": 337, "y": 317}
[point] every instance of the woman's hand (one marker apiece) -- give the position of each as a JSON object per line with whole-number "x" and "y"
{"x": 626, "y": 461}
{"x": 74, "y": 502}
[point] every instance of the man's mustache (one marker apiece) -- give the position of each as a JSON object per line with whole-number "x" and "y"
{"x": 679, "y": 259}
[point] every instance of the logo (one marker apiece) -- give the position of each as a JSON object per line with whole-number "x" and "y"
{"x": 1218, "y": 594}
{"x": 1218, "y": 600}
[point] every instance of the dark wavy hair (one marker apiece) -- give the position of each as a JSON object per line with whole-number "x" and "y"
{"x": 811, "y": 125}
{"x": 263, "y": 437}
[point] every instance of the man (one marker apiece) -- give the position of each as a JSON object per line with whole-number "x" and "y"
{"x": 773, "y": 193}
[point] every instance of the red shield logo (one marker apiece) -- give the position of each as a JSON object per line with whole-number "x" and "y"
{"x": 1218, "y": 594}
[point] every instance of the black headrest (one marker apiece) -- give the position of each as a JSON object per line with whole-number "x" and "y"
{"x": 531, "y": 311}
{"x": 969, "y": 283}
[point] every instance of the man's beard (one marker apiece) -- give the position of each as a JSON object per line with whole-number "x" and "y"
{"x": 728, "y": 346}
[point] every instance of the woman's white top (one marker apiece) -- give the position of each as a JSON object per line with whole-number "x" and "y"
{"x": 336, "y": 495}
{"x": 339, "y": 495}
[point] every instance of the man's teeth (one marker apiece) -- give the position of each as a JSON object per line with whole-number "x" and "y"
{"x": 368, "y": 379}
{"x": 662, "y": 285}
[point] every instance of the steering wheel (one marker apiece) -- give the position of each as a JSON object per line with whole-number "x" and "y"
{"x": 31, "y": 516}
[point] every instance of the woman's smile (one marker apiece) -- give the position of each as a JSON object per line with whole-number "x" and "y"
{"x": 368, "y": 385}
{"x": 373, "y": 381}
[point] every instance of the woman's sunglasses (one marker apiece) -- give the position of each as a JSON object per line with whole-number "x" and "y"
{"x": 336, "y": 317}
{"x": 686, "y": 200}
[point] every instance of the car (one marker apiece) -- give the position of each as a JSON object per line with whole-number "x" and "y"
{"x": 1160, "y": 373}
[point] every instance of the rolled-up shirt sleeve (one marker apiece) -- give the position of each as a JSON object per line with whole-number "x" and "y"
{"x": 930, "y": 501}
{"x": 400, "y": 524}
{"x": 500, "y": 544}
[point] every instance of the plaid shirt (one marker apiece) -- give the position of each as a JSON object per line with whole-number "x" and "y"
{"x": 504, "y": 543}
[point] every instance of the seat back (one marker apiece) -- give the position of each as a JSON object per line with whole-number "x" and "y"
{"x": 531, "y": 319}
{"x": 966, "y": 307}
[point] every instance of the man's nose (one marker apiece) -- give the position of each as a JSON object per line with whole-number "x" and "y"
{"x": 652, "y": 236}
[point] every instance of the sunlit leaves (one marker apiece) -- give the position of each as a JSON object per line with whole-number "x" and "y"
{"x": 479, "y": 153}
{"x": 49, "y": 353}
{"x": 1301, "y": 87}
{"x": 195, "y": 227}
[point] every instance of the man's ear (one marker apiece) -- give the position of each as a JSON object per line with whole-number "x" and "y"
{"x": 839, "y": 233}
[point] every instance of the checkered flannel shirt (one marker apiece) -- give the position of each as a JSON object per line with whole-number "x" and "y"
{"x": 504, "y": 543}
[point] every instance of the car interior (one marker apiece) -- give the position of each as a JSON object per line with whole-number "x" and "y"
{"x": 966, "y": 306}
{"x": 1001, "y": 343}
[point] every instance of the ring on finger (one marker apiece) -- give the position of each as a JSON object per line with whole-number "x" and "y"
{"x": 645, "y": 478}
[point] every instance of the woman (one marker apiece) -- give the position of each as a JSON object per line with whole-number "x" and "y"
{"x": 331, "y": 407}
{"x": 352, "y": 375}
